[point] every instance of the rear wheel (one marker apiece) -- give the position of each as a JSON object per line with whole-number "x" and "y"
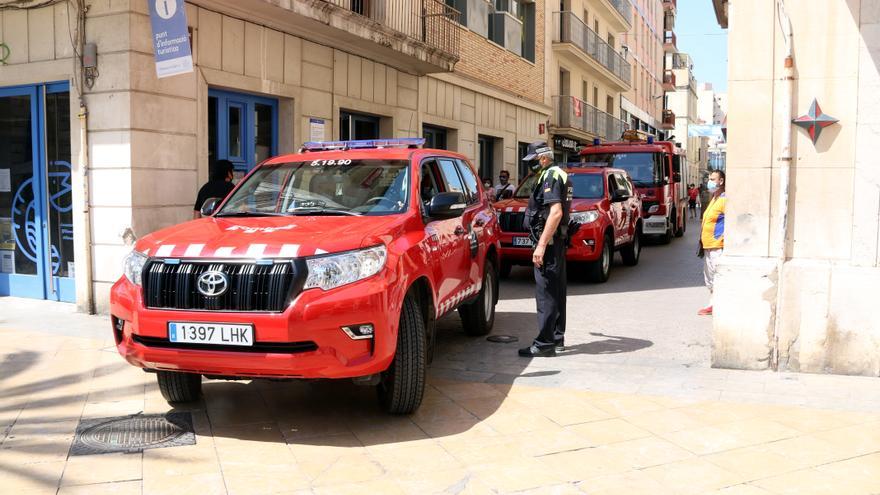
{"x": 179, "y": 387}
{"x": 631, "y": 252}
{"x": 504, "y": 271}
{"x": 598, "y": 271}
{"x": 478, "y": 317}
{"x": 402, "y": 386}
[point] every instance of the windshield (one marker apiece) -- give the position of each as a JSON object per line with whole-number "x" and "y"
{"x": 645, "y": 169}
{"x": 586, "y": 186}
{"x": 323, "y": 187}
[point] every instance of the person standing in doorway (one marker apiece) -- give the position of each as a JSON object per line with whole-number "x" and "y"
{"x": 218, "y": 186}
{"x": 547, "y": 222}
{"x": 712, "y": 234}
{"x": 693, "y": 194}
{"x": 504, "y": 189}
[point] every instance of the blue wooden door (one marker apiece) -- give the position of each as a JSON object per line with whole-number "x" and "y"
{"x": 243, "y": 127}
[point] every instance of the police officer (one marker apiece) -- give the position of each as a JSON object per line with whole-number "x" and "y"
{"x": 547, "y": 221}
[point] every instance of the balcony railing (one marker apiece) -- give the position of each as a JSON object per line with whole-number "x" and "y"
{"x": 431, "y": 22}
{"x": 681, "y": 61}
{"x": 624, "y": 8}
{"x": 668, "y": 121}
{"x": 668, "y": 80}
{"x": 573, "y": 113}
{"x": 570, "y": 29}
{"x": 669, "y": 4}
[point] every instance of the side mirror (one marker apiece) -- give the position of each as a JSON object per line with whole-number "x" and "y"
{"x": 210, "y": 206}
{"x": 447, "y": 205}
{"x": 620, "y": 195}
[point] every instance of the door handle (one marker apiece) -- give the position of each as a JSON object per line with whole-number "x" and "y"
{"x": 459, "y": 230}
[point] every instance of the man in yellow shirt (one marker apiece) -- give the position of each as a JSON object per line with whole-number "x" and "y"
{"x": 712, "y": 235}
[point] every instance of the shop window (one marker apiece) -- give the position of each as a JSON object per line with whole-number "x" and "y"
{"x": 435, "y": 137}
{"x": 358, "y": 126}
{"x": 242, "y": 128}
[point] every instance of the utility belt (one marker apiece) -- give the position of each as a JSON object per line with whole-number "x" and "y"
{"x": 535, "y": 221}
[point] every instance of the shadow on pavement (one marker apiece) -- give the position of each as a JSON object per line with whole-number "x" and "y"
{"x": 611, "y": 345}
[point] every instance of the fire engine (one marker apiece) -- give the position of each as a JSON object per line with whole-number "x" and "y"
{"x": 655, "y": 168}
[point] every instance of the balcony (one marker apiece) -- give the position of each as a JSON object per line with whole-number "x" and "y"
{"x": 681, "y": 61}
{"x": 417, "y": 37}
{"x": 623, "y": 9}
{"x": 575, "y": 40}
{"x": 668, "y": 121}
{"x": 670, "y": 5}
{"x": 668, "y": 80}
{"x": 575, "y": 117}
{"x": 669, "y": 41}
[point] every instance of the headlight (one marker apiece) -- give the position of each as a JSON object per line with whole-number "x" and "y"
{"x": 328, "y": 272}
{"x": 133, "y": 266}
{"x": 583, "y": 217}
{"x": 654, "y": 209}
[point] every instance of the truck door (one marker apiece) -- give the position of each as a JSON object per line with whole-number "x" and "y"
{"x": 440, "y": 236}
{"x": 458, "y": 261}
{"x": 617, "y": 214}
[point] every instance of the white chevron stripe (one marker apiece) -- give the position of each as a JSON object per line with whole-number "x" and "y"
{"x": 256, "y": 250}
{"x": 165, "y": 250}
{"x": 320, "y": 251}
{"x": 288, "y": 250}
{"x": 224, "y": 252}
{"x": 193, "y": 250}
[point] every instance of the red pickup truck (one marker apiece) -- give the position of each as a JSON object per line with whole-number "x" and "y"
{"x": 607, "y": 214}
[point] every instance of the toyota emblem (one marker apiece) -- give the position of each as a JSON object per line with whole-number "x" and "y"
{"x": 213, "y": 283}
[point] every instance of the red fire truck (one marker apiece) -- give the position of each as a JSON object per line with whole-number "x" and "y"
{"x": 655, "y": 168}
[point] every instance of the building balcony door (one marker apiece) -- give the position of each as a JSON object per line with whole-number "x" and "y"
{"x": 242, "y": 128}
{"x": 36, "y": 203}
{"x": 354, "y": 126}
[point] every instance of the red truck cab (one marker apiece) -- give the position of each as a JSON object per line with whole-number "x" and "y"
{"x": 655, "y": 168}
{"x": 330, "y": 263}
{"x": 607, "y": 214}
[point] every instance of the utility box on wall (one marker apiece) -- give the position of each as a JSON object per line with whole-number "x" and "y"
{"x": 476, "y": 15}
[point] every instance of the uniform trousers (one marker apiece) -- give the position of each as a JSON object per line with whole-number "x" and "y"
{"x": 550, "y": 294}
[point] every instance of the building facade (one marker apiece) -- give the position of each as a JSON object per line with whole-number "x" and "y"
{"x": 93, "y": 162}
{"x": 797, "y": 285}
{"x": 642, "y": 105}
{"x": 587, "y": 73}
{"x": 712, "y": 111}
{"x": 682, "y": 103}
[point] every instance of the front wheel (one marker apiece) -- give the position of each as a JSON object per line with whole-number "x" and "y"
{"x": 598, "y": 271}
{"x": 402, "y": 386}
{"x": 179, "y": 387}
{"x": 504, "y": 271}
{"x": 478, "y": 317}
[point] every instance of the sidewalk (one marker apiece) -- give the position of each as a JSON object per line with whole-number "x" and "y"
{"x": 529, "y": 428}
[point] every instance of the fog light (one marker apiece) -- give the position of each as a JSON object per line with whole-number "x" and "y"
{"x": 359, "y": 332}
{"x": 589, "y": 242}
{"x": 118, "y": 327}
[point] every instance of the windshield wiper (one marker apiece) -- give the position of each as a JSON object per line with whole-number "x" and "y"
{"x": 321, "y": 211}
{"x": 249, "y": 214}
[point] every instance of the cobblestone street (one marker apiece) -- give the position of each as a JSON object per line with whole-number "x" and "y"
{"x": 630, "y": 407}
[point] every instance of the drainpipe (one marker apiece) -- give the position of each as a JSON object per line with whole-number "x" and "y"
{"x": 87, "y": 214}
{"x": 785, "y": 158}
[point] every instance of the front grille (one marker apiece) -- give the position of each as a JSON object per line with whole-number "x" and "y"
{"x": 512, "y": 221}
{"x": 261, "y": 347}
{"x": 173, "y": 284}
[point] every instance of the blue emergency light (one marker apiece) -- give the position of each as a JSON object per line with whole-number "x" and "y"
{"x": 363, "y": 144}
{"x": 650, "y": 139}
{"x": 597, "y": 142}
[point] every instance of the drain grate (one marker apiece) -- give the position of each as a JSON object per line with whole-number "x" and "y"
{"x": 133, "y": 433}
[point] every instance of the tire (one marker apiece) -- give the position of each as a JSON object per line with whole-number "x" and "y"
{"x": 478, "y": 317}
{"x": 679, "y": 232}
{"x": 632, "y": 251}
{"x": 504, "y": 271}
{"x": 670, "y": 232}
{"x": 179, "y": 387}
{"x": 598, "y": 271}
{"x": 402, "y": 385}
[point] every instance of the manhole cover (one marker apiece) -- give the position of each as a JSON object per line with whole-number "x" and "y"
{"x": 133, "y": 433}
{"x": 502, "y": 339}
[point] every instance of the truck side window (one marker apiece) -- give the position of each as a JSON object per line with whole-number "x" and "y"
{"x": 451, "y": 177}
{"x": 470, "y": 180}
{"x": 428, "y": 183}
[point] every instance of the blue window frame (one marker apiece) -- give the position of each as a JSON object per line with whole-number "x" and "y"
{"x": 243, "y": 128}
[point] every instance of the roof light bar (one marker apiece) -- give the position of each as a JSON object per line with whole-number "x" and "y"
{"x": 363, "y": 144}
